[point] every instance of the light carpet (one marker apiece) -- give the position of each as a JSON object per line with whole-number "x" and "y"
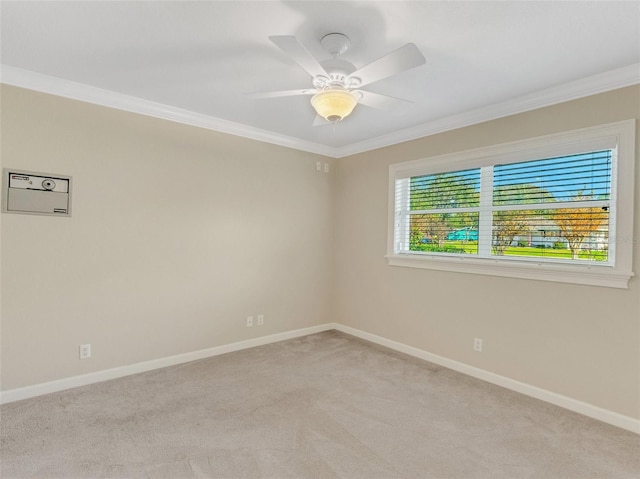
{"x": 326, "y": 405}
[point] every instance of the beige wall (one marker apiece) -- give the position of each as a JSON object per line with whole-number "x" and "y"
{"x": 177, "y": 234}
{"x": 579, "y": 341}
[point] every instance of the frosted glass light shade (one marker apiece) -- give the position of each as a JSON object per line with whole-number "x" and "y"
{"x": 334, "y": 105}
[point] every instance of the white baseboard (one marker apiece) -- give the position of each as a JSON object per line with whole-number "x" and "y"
{"x": 17, "y": 394}
{"x": 595, "y": 412}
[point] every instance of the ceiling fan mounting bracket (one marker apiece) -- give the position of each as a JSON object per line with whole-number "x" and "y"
{"x": 320, "y": 81}
{"x": 335, "y": 44}
{"x": 336, "y": 79}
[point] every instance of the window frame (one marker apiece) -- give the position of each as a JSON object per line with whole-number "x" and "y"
{"x": 619, "y": 135}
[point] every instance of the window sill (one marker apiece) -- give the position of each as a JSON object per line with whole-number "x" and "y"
{"x": 561, "y": 273}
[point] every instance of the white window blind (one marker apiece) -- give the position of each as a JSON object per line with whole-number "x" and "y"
{"x": 432, "y": 208}
{"x": 550, "y": 209}
{"x": 557, "y": 208}
{"x": 518, "y": 211}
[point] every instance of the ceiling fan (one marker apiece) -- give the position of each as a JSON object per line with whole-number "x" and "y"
{"x": 337, "y": 84}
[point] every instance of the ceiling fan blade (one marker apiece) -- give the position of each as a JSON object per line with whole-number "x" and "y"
{"x": 404, "y": 58}
{"x": 319, "y": 121}
{"x": 292, "y": 47}
{"x": 381, "y": 102}
{"x": 276, "y": 94}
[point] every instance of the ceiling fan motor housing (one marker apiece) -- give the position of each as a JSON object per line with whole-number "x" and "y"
{"x": 338, "y": 69}
{"x": 337, "y": 79}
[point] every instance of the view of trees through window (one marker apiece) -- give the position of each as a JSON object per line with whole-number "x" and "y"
{"x": 453, "y": 228}
{"x": 554, "y": 208}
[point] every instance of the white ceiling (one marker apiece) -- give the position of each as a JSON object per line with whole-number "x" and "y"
{"x": 193, "y": 61}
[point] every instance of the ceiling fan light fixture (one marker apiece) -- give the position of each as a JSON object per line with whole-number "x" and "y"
{"x": 334, "y": 105}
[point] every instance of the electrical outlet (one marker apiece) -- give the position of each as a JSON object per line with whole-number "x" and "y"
{"x": 319, "y": 165}
{"x": 326, "y": 167}
{"x": 85, "y": 351}
{"x": 477, "y": 344}
{"x": 249, "y": 321}
{"x": 260, "y": 319}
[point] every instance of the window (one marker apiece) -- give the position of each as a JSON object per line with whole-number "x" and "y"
{"x": 556, "y": 208}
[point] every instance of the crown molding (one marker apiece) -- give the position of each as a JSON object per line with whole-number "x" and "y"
{"x": 78, "y": 91}
{"x": 600, "y": 83}
{"x": 607, "y": 81}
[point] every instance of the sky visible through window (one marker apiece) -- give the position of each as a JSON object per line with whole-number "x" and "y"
{"x": 564, "y": 178}
{"x": 568, "y": 178}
